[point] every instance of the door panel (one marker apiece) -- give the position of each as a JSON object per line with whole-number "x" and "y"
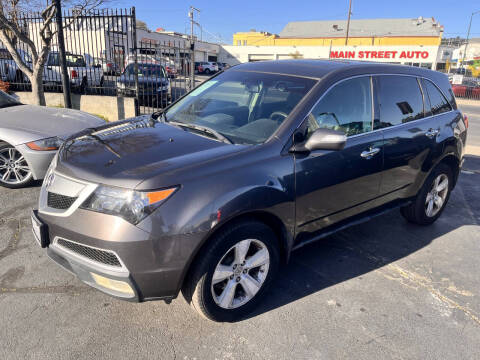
{"x": 330, "y": 182}
{"x": 409, "y": 135}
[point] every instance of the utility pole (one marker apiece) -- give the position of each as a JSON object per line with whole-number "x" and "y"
{"x": 61, "y": 52}
{"x": 348, "y": 21}
{"x": 192, "y": 47}
{"x": 468, "y": 36}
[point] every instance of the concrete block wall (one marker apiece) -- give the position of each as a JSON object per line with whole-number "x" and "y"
{"x": 111, "y": 108}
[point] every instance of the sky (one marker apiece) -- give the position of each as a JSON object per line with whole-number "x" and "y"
{"x": 221, "y": 19}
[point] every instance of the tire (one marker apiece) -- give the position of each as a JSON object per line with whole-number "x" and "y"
{"x": 83, "y": 86}
{"x": 212, "y": 301}
{"x": 418, "y": 211}
{"x": 18, "y": 176}
{"x": 207, "y": 71}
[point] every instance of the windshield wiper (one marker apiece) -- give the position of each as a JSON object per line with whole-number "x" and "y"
{"x": 203, "y": 129}
{"x": 159, "y": 113}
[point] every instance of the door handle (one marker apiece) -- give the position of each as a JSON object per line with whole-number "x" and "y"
{"x": 431, "y": 133}
{"x": 368, "y": 154}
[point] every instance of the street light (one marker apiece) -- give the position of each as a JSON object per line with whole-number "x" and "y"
{"x": 468, "y": 35}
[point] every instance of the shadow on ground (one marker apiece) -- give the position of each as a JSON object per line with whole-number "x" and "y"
{"x": 369, "y": 246}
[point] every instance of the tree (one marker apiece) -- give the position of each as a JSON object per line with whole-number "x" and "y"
{"x": 11, "y": 32}
{"x": 142, "y": 25}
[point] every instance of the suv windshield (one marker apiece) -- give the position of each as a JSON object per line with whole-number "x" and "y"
{"x": 245, "y": 107}
{"x": 146, "y": 70}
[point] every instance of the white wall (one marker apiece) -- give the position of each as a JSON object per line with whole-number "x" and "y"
{"x": 398, "y": 54}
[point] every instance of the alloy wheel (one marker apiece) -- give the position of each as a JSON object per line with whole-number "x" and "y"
{"x": 240, "y": 273}
{"x": 14, "y": 169}
{"x": 437, "y": 195}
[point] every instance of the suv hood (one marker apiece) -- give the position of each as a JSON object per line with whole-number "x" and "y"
{"x": 129, "y": 153}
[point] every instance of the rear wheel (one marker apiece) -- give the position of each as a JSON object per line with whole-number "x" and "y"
{"x": 234, "y": 271}
{"x": 207, "y": 71}
{"x": 14, "y": 170}
{"x": 432, "y": 198}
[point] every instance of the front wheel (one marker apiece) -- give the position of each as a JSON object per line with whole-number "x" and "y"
{"x": 432, "y": 197}
{"x": 233, "y": 272}
{"x": 14, "y": 170}
{"x": 207, "y": 71}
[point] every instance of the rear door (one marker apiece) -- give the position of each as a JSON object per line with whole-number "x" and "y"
{"x": 333, "y": 185}
{"x": 409, "y": 132}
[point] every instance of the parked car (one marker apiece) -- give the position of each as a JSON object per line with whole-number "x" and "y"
{"x": 30, "y": 136}
{"x": 9, "y": 70}
{"x": 153, "y": 82}
{"x": 211, "y": 196}
{"x": 222, "y": 66}
{"x": 110, "y": 68}
{"x": 171, "y": 69}
{"x": 81, "y": 74}
{"x": 206, "y": 67}
{"x": 469, "y": 89}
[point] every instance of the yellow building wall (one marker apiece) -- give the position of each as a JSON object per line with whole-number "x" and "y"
{"x": 263, "y": 39}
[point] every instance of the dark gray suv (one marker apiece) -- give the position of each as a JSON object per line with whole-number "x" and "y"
{"x": 212, "y": 195}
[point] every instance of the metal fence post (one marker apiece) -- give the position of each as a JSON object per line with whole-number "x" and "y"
{"x": 135, "y": 57}
{"x": 62, "y": 56}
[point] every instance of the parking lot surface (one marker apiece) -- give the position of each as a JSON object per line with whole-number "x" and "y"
{"x": 384, "y": 289}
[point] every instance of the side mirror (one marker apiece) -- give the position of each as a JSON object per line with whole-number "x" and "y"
{"x": 322, "y": 139}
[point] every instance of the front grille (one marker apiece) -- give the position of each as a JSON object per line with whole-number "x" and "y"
{"x": 61, "y": 202}
{"x": 97, "y": 255}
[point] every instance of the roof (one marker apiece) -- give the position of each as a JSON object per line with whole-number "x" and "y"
{"x": 320, "y": 68}
{"x": 363, "y": 28}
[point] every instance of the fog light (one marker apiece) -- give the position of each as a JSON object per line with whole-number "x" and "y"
{"x": 114, "y": 285}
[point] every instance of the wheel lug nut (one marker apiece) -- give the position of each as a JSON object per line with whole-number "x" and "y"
{"x": 245, "y": 271}
{"x": 231, "y": 277}
{"x": 235, "y": 266}
{"x": 238, "y": 279}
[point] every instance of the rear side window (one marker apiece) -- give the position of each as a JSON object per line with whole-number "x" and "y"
{"x": 346, "y": 107}
{"x": 400, "y": 100}
{"x": 438, "y": 103}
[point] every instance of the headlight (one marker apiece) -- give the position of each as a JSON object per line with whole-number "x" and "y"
{"x": 48, "y": 144}
{"x": 130, "y": 205}
{"x": 120, "y": 85}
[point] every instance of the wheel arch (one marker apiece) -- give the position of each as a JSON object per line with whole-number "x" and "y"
{"x": 265, "y": 217}
{"x": 453, "y": 162}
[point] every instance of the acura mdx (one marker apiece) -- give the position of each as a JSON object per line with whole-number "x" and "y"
{"x": 211, "y": 196}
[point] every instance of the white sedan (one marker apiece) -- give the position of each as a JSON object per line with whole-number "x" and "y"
{"x": 30, "y": 137}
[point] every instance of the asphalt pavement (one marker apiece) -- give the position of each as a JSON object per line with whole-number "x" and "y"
{"x": 384, "y": 289}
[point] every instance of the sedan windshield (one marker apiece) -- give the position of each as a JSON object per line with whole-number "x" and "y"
{"x": 244, "y": 107}
{"x": 6, "y": 100}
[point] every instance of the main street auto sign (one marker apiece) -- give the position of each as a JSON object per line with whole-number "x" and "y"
{"x": 379, "y": 54}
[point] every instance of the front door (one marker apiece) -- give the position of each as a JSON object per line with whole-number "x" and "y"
{"x": 333, "y": 185}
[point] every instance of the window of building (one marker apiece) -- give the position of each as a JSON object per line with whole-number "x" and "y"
{"x": 244, "y": 42}
{"x": 437, "y": 102}
{"x": 239, "y": 42}
{"x": 346, "y": 107}
{"x": 400, "y": 100}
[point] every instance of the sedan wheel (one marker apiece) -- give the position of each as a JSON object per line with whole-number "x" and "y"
{"x": 14, "y": 170}
{"x": 240, "y": 274}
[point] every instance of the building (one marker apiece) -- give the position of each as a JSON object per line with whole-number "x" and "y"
{"x": 414, "y": 42}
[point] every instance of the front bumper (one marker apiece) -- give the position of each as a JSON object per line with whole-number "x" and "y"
{"x": 146, "y": 266}
{"x": 38, "y": 161}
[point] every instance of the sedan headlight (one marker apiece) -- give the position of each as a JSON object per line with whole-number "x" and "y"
{"x": 130, "y": 205}
{"x": 47, "y": 144}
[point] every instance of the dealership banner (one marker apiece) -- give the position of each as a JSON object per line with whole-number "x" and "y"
{"x": 385, "y": 53}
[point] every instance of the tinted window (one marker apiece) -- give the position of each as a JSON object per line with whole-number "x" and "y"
{"x": 438, "y": 102}
{"x": 346, "y": 107}
{"x": 400, "y": 100}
